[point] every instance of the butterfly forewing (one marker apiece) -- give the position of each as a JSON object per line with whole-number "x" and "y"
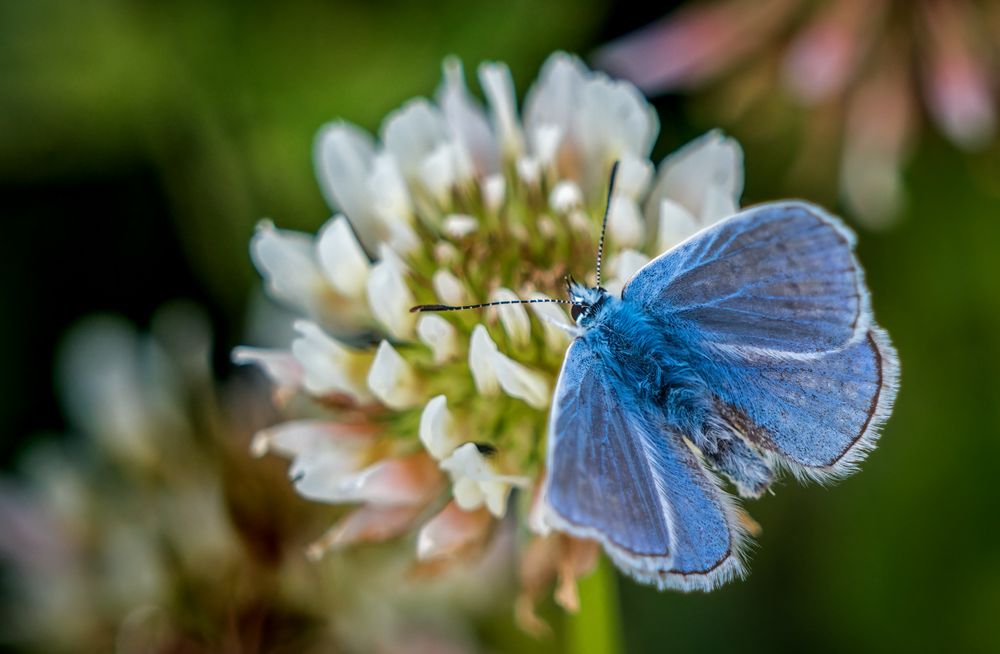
{"x": 780, "y": 276}
{"x": 615, "y": 474}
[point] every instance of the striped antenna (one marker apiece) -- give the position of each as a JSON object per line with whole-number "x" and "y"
{"x": 445, "y": 307}
{"x": 604, "y": 223}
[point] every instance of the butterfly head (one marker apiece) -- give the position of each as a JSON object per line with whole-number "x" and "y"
{"x": 585, "y": 301}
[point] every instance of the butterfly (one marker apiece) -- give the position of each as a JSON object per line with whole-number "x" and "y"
{"x": 746, "y": 350}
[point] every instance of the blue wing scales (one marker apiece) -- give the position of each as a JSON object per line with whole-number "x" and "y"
{"x": 615, "y": 475}
{"x": 819, "y": 415}
{"x": 781, "y": 276}
{"x": 774, "y": 301}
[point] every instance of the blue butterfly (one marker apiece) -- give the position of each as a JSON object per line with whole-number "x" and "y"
{"x": 747, "y": 349}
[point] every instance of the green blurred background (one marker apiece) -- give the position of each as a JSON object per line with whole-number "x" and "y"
{"x": 140, "y": 142}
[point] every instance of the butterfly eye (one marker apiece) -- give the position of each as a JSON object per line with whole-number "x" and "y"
{"x": 576, "y": 310}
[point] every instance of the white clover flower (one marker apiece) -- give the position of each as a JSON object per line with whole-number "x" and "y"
{"x": 328, "y": 365}
{"x": 476, "y": 481}
{"x": 281, "y": 367}
{"x": 367, "y": 185}
{"x": 321, "y": 277}
{"x": 555, "y": 322}
{"x": 513, "y": 317}
{"x": 448, "y": 288}
{"x": 389, "y": 296}
{"x": 452, "y": 531}
{"x": 437, "y": 431}
{"x": 622, "y": 267}
{"x": 342, "y": 258}
{"x": 439, "y": 335}
{"x": 392, "y": 379}
{"x": 697, "y": 186}
{"x": 493, "y": 371}
{"x": 460, "y": 203}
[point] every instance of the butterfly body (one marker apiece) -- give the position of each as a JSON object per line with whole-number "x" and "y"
{"x": 748, "y": 349}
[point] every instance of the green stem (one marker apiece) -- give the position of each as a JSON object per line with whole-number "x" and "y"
{"x": 596, "y": 629}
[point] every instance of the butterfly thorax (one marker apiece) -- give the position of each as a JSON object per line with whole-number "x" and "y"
{"x": 656, "y": 368}
{"x": 641, "y": 355}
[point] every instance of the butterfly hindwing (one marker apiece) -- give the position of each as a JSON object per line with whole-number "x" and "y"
{"x": 780, "y": 276}
{"x": 616, "y": 476}
{"x": 775, "y": 301}
{"x": 821, "y": 414}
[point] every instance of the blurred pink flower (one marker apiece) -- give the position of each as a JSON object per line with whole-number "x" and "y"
{"x": 848, "y": 63}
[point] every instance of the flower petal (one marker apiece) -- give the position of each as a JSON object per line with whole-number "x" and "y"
{"x": 286, "y": 259}
{"x": 695, "y": 43}
{"x": 369, "y": 524}
{"x": 551, "y": 316}
{"x": 958, "y": 84}
{"x": 452, "y": 531}
{"x": 498, "y": 85}
{"x": 521, "y": 382}
{"x": 627, "y": 263}
{"x": 493, "y": 189}
{"x": 577, "y": 558}
{"x": 545, "y": 142}
{"x": 468, "y": 494}
{"x": 412, "y": 133}
{"x": 717, "y": 204}
{"x": 492, "y": 370}
{"x": 439, "y": 172}
{"x": 392, "y": 380}
{"x": 634, "y": 176}
{"x": 458, "y": 225}
{"x": 389, "y": 297}
{"x": 344, "y": 154}
{"x": 309, "y": 439}
{"x": 467, "y": 464}
{"x": 439, "y": 335}
{"x": 622, "y": 267}
{"x": 467, "y": 122}
{"x": 280, "y": 366}
{"x": 481, "y": 350}
{"x": 565, "y": 196}
{"x": 880, "y": 124}
{"x": 675, "y": 225}
{"x": 413, "y": 480}
{"x": 600, "y": 120}
{"x": 536, "y": 572}
{"x": 529, "y": 171}
{"x": 365, "y": 184}
{"x": 448, "y": 288}
{"x": 712, "y": 161}
{"x": 328, "y": 365}
{"x": 825, "y": 53}
{"x": 625, "y": 222}
{"x": 513, "y": 317}
{"x": 342, "y": 258}
{"x": 391, "y": 205}
{"x": 437, "y": 428}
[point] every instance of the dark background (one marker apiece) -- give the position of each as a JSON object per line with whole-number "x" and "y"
{"x": 140, "y": 142}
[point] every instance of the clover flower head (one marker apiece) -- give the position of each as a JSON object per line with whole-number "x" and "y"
{"x": 434, "y": 423}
